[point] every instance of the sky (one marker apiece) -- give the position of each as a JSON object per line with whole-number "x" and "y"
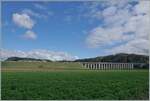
{"x": 76, "y": 29}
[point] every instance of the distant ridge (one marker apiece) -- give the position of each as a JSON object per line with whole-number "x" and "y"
{"x": 25, "y": 59}
{"x": 120, "y": 57}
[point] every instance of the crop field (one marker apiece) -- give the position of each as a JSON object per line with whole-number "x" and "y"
{"x": 70, "y": 81}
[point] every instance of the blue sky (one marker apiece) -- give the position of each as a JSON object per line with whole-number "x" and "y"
{"x": 83, "y": 29}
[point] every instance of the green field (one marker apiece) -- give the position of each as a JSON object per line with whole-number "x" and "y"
{"x": 71, "y": 81}
{"x": 41, "y": 66}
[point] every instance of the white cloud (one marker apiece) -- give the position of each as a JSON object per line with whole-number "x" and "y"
{"x": 122, "y": 22}
{"x": 23, "y": 20}
{"x": 40, "y": 6}
{"x": 38, "y": 54}
{"x": 143, "y": 7}
{"x": 139, "y": 46}
{"x": 35, "y": 14}
{"x": 110, "y": 11}
{"x": 103, "y": 36}
{"x": 43, "y": 7}
{"x": 30, "y": 35}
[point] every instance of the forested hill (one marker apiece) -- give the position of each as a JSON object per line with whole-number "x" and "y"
{"x": 121, "y": 57}
{"x": 25, "y": 59}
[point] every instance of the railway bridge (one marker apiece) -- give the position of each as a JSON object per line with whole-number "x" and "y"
{"x": 107, "y": 65}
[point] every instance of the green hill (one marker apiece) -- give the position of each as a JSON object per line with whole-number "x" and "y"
{"x": 121, "y": 57}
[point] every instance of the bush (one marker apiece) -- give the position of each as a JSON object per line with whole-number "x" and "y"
{"x": 40, "y": 66}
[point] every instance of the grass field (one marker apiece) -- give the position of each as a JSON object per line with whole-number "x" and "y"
{"x": 71, "y": 81}
{"x": 34, "y": 66}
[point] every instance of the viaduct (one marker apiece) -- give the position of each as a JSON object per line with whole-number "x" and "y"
{"x": 107, "y": 65}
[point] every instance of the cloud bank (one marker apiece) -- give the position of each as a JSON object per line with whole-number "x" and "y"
{"x": 124, "y": 26}
{"x": 37, "y": 54}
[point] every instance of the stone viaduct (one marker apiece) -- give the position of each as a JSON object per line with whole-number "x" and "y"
{"x": 107, "y": 65}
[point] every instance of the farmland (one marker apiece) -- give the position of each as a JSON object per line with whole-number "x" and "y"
{"x": 54, "y": 80}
